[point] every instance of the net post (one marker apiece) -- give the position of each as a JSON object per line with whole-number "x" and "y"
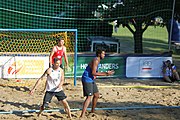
{"x": 75, "y": 56}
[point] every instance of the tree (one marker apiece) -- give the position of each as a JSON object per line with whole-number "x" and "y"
{"x": 140, "y": 14}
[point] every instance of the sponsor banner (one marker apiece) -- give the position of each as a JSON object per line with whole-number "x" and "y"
{"x": 115, "y": 63}
{"x": 145, "y": 67}
{"x": 29, "y": 66}
{"x": 25, "y": 67}
{"x": 4, "y": 60}
{"x": 124, "y": 66}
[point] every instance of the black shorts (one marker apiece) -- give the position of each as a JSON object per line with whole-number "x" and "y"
{"x": 48, "y": 96}
{"x": 89, "y": 88}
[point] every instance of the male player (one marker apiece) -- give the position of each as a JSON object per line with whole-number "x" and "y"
{"x": 54, "y": 83}
{"x": 88, "y": 81}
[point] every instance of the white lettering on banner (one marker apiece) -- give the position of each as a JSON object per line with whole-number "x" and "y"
{"x": 109, "y": 66}
{"x": 83, "y": 66}
{"x": 103, "y": 66}
{"x": 115, "y": 66}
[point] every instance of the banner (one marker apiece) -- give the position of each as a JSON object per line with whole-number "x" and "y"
{"x": 25, "y": 67}
{"x": 115, "y": 63}
{"x": 145, "y": 67}
{"x": 5, "y": 60}
{"x": 33, "y": 66}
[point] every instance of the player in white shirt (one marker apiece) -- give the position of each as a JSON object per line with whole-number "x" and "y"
{"x": 54, "y": 83}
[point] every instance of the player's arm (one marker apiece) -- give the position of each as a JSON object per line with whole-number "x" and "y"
{"x": 50, "y": 56}
{"x": 38, "y": 82}
{"x": 173, "y": 68}
{"x": 62, "y": 79}
{"x": 175, "y": 72}
{"x": 65, "y": 57}
{"x": 94, "y": 68}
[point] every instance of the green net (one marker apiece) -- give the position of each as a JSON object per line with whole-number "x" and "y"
{"x": 91, "y": 18}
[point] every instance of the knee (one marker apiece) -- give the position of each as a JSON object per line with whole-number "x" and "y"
{"x": 96, "y": 95}
{"x": 167, "y": 79}
{"x": 64, "y": 102}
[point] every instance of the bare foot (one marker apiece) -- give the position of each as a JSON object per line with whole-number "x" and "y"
{"x": 41, "y": 110}
{"x": 82, "y": 116}
{"x": 92, "y": 111}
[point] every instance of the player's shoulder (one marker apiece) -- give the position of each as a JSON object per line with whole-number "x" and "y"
{"x": 64, "y": 47}
{"x": 48, "y": 71}
{"x": 60, "y": 69}
{"x": 54, "y": 48}
{"x": 95, "y": 60}
{"x": 173, "y": 66}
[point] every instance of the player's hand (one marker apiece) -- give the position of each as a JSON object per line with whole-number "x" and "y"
{"x": 110, "y": 72}
{"x": 44, "y": 90}
{"x": 32, "y": 91}
{"x": 59, "y": 87}
{"x": 67, "y": 68}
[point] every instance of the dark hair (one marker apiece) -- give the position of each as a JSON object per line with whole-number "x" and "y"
{"x": 56, "y": 59}
{"x": 99, "y": 51}
{"x": 168, "y": 62}
{"x": 59, "y": 39}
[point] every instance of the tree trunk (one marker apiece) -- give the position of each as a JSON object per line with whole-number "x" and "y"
{"x": 138, "y": 46}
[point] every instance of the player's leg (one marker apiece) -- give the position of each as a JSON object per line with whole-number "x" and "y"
{"x": 95, "y": 97}
{"x": 94, "y": 101}
{"x": 88, "y": 92}
{"x": 47, "y": 99}
{"x": 176, "y": 75}
{"x": 62, "y": 98}
{"x": 85, "y": 105}
{"x": 66, "y": 107}
{"x": 167, "y": 79}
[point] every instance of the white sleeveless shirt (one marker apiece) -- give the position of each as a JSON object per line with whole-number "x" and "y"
{"x": 53, "y": 80}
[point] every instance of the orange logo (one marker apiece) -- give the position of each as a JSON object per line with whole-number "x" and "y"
{"x": 15, "y": 67}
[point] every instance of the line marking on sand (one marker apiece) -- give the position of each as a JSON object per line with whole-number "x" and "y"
{"x": 110, "y": 86}
{"x": 77, "y": 109}
{"x": 139, "y": 86}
